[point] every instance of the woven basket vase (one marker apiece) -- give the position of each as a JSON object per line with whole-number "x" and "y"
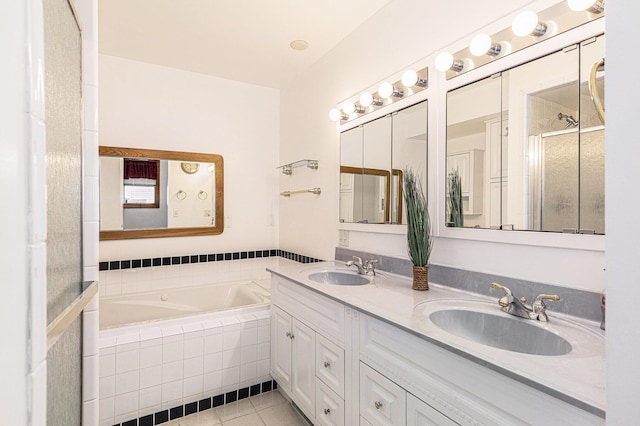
{"x": 421, "y": 278}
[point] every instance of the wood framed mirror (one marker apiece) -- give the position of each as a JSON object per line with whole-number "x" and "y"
{"x": 182, "y": 196}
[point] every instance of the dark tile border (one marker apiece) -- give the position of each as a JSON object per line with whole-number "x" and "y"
{"x": 204, "y": 404}
{"x": 203, "y": 258}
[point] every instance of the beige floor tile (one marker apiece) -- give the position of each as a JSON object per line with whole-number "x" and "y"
{"x": 235, "y": 409}
{"x": 252, "y": 419}
{"x": 267, "y": 399}
{"x": 280, "y": 415}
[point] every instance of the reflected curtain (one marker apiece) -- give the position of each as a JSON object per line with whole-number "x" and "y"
{"x": 140, "y": 169}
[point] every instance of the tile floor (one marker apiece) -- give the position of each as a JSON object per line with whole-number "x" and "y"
{"x": 266, "y": 409}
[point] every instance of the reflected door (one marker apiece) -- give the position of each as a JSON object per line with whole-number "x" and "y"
{"x": 592, "y": 122}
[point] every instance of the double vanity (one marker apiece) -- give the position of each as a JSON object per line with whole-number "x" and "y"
{"x": 352, "y": 348}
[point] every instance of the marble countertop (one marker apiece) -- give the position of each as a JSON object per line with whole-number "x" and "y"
{"x": 577, "y": 377}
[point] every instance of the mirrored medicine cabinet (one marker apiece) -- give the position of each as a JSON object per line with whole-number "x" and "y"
{"x": 147, "y": 193}
{"x": 528, "y": 145}
{"x": 373, "y": 157}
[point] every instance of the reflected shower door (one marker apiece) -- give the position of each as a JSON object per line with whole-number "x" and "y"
{"x": 560, "y": 177}
{"x": 592, "y": 153}
{"x": 63, "y": 117}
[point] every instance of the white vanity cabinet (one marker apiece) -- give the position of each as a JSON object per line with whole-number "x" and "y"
{"x": 307, "y": 350}
{"x": 293, "y": 354}
{"x": 446, "y": 388}
{"x": 342, "y": 366}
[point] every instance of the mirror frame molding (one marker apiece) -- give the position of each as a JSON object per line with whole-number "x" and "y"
{"x": 218, "y": 228}
{"x": 373, "y": 172}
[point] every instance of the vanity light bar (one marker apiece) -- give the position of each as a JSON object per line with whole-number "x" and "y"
{"x": 527, "y": 28}
{"x": 411, "y": 82}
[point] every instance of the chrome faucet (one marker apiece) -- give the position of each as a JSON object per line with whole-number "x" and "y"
{"x": 518, "y": 307}
{"x": 366, "y": 268}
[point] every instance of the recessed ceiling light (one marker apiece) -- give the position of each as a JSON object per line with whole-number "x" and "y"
{"x": 299, "y": 45}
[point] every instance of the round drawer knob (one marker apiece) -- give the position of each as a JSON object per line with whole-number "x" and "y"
{"x": 326, "y": 364}
{"x": 327, "y": 411}
{"x": 288, "y": 334}
{"x": 378, "y": 405}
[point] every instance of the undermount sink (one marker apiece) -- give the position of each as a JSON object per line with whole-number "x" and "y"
{"x": 481, "y": 323}
{"x": 512, "y": 334}
{"x": 338, "y": 278}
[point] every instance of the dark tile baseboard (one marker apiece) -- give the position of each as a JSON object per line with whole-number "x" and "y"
{"x": 204, "y": 404}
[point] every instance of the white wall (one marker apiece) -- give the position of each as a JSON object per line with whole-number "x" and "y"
{"x": 155, "y": 107}
{"x": 378, "y": 51}
{"x": 16, "y": 114}
{"x": 623, "y": 235}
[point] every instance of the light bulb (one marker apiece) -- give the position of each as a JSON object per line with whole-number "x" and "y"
{"x": 525, "y": 23}
{"x": 349, "y": 107}
{"x": 480, "y": 44}
{"x": 444, "y": 61}
{"x": 409, "y": 78}
{"x": 335, "y": 114}
{"x": 366, "y": 99}
{"x": 385, "y": 90}
{"x": 580, "y": 5}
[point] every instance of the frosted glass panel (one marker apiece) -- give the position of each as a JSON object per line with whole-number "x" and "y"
{"x": 560, "y": 182}
{"x": 592, "y": 181}
{"x": 63, "y": 113}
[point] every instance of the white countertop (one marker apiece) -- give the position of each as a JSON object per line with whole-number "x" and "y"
{"x": 577, "y": 378}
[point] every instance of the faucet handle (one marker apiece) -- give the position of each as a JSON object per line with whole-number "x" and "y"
{"x": 505, "y": 300}
{"x": 542, "y": 297}
{"x": 503, "y": 288}
{"x": 538, "y": 307}
{"x": 357, "y": 259}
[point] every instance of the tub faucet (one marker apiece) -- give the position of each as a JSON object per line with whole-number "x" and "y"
{"x": 517, "y": 307}
{"x": 366, "y": 268}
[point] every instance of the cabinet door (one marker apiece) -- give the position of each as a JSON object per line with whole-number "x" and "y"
{"x": 329, "y": 406}
{"x": 382, "y": 402}
{"x": 330, "y": 364}
{"x": 281, "y": 346}
{"x": 303, "y": 377}
{"x": 422, "y": 414}
{"x": 461, "y": 163}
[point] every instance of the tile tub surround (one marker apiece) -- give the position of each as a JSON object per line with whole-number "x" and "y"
{"x": 579, "y": 303}
{"x": 136, "y": 275}
{"x": 153, "y": 369}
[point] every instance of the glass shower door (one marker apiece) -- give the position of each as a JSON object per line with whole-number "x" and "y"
{"x": 63, "y": 117}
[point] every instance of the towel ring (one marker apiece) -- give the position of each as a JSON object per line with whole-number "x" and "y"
{"x": 202, "y": 195}
{"x": 181, "y": 195}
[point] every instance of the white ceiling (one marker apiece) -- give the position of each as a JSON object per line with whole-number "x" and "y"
{"x": 243, "y": 40}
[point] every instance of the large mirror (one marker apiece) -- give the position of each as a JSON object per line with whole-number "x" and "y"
{"x": 525, "y": 147}
{"x": 372, "y": 159}
{"x": 148, "y": 193}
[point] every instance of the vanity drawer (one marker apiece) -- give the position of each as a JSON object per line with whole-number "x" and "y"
{"x": 330, "y": 364}
{"x": 382, "y": 402}
{"x": 364, "y": 422}
{"x": 422, "y": 414}
{"x": 329, "y": 406}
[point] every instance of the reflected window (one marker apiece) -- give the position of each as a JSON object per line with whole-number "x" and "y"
{"x": 141, "y": 180}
